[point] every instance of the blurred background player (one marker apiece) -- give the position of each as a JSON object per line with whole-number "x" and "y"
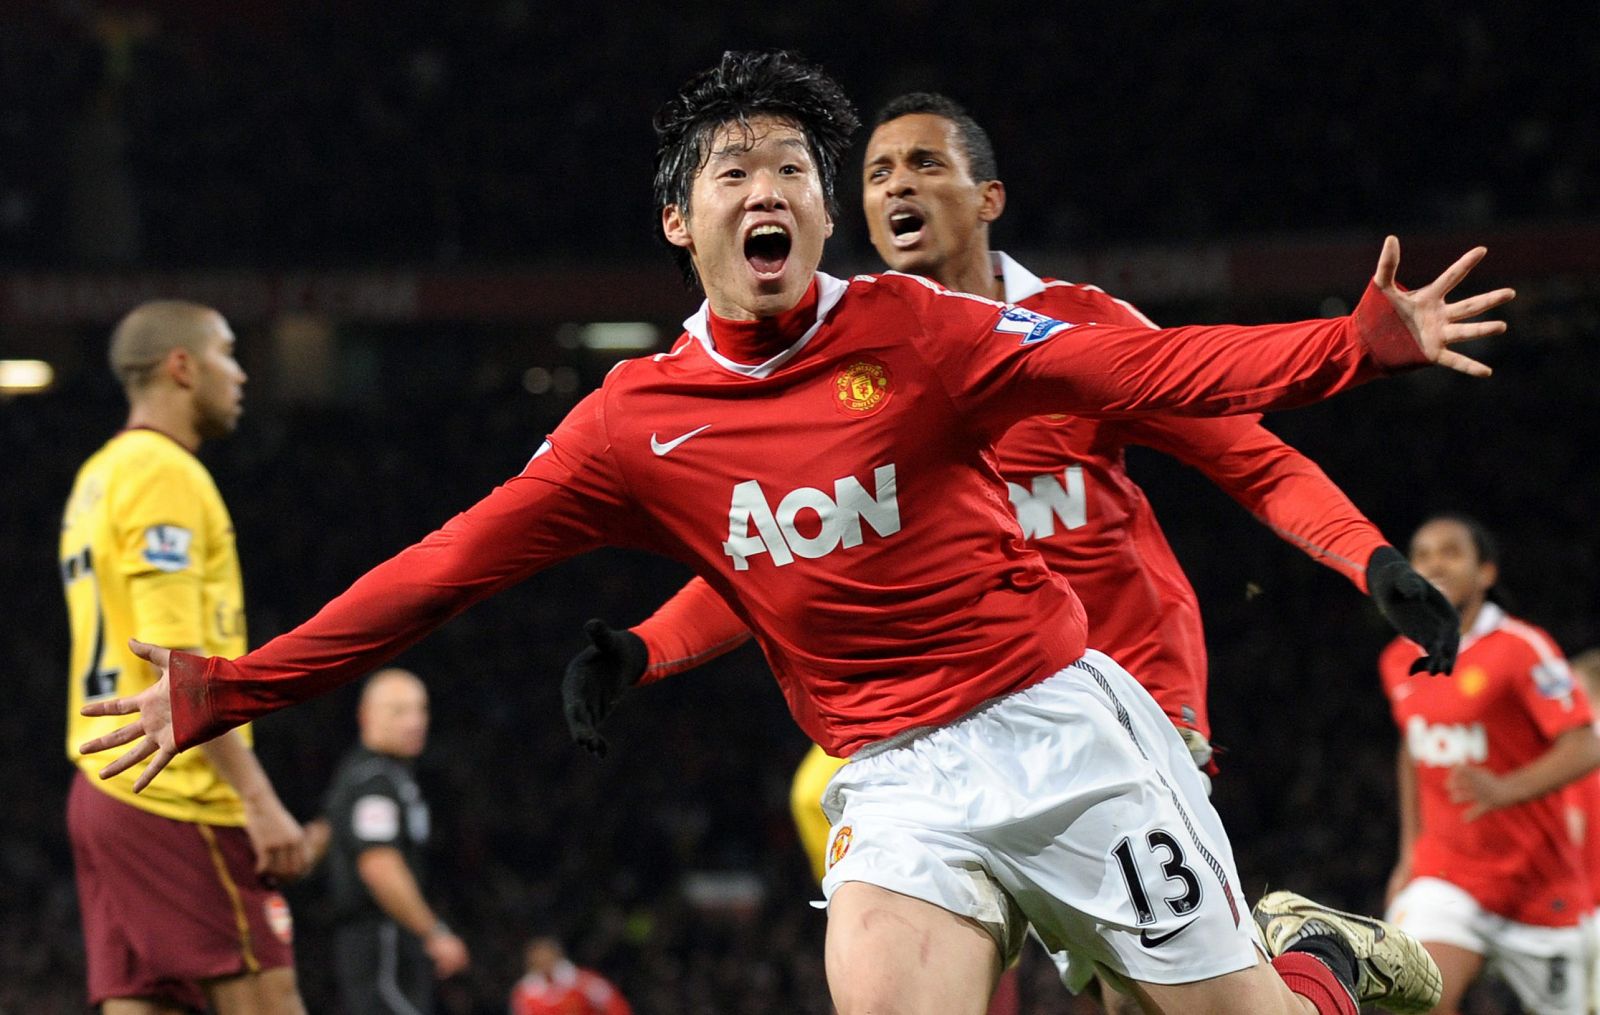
{"x": 553, "y": 985}
{"x": 1586, "y": 811}
{"x": 391, "y": 946}
{"x": 176, "y": 884}
{"x": 1489, "y": 876}
{"x": 931, "y": 189}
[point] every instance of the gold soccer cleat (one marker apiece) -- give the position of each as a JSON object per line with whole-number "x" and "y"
{"x": 1393, "y": 970}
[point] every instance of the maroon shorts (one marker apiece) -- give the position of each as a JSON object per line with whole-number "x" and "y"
{"x": 166, "y": 903}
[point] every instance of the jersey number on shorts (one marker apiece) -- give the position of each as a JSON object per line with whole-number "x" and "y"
{"x": 1172, "y": 868}
{"x": 98, "y": 682}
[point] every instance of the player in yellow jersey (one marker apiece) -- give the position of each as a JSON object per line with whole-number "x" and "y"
{"x": 176, "y": 884}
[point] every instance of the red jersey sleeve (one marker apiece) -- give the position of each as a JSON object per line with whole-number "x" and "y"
{"x": 1002, "y": 364}
{"x": 1284, "y": 489}
{"x": 567, "y": 499}
{"x": 1545, "y": 685}
{"x": 693, "y": 627}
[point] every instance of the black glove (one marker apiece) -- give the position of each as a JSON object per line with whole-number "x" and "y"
{"x": 597, "y": 677}
{"x": 1415, "y": 608}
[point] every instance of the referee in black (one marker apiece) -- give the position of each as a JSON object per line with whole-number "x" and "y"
{"x": 390, "y": 945}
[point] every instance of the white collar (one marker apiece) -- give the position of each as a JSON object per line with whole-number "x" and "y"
{"x": 829, "y": 291}
{"x": 564, "y": 974}
{"x": 1019, "y": 282}
{"x": 1490, "y": 617}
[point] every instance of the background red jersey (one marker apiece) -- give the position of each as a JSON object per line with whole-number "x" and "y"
{"x": 836, "y": 486}
{"x": 568, "y": 990}
{"x": 1511, "y": 695}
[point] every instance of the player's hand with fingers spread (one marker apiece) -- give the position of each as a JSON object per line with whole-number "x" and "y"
{"x": 152, "y": 730}
{"x": 1480, "y": 789}
{"x": 1435, "y": 323}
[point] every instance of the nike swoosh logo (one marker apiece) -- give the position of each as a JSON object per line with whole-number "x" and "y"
{"x": 661, "y": 448}
{"x": 1157, "y": 940}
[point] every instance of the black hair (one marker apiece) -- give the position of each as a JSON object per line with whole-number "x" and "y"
{"x": 744, "y": 85}
{"x": 979, "y": 150}
{"x": 1483, "y": 541}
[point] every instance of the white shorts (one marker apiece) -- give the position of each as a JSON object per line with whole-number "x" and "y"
{"x": 1073, "y": 806}
{"x": 1548, "y": 967}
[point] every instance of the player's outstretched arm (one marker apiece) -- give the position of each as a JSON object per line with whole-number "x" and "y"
{"x": 152, "y": 729}
{"x": 1434, "y": 322}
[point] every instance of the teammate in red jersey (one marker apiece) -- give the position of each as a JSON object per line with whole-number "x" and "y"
{"x": 866, "y": 539}
{"x": 552, "y": 985}
{"x": 1489, "y": 875}
{"x": 931, "y": 188}
{"x": 1586, "y": 811}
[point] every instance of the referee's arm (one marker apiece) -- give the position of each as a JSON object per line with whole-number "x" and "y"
{"x": 383, "y": 870}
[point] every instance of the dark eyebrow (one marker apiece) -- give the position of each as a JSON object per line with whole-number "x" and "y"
{"x": 741, "y": 147}
{"x": 912, "y": 155}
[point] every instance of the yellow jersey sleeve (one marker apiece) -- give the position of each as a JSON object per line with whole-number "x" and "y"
{"x": 160, "y": 542}
{"x": 147, "y": 552}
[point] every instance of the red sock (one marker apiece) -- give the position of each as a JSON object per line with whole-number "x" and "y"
{"x": 1309, "y": 977}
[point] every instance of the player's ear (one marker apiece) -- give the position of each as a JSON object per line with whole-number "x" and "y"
{"x": 992, "y": 200}
{"x": 1489, "y": 573}
{"x": 675, "y": 226}
{"x": 827, "y": 223}
{"x": 179, "y": 366}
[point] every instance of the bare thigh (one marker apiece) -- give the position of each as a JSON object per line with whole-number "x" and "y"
{"x": 1258, "y": 990}
{"x": 272, "y": 992}
{"x": 889, "y": 953}
{"x": 1459, "y": 966}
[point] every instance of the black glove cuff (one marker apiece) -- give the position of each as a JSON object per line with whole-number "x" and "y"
{"x": 1380, "y": 568}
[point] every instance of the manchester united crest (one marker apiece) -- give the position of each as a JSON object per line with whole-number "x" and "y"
{"x": 862, "y": 388}
{"x": 841, "y": 845}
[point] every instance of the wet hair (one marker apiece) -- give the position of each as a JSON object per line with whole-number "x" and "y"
{"x": 742, "y": 86}
{"x": 1483, "y": 541}
{"x": 974, "y": 139}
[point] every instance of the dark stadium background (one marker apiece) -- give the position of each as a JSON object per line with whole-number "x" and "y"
{"x": 406, "y": 207}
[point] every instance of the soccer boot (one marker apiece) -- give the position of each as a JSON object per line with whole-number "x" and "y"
{"x": 1393, "y": 970}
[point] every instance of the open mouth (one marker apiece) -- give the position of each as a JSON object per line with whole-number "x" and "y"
{"x": 905, "y": 228}
{"x": 767, "y": 249}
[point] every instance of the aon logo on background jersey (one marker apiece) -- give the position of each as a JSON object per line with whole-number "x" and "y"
{"x": 1444, "y": 745}
{"x": 833, "y": 521}
{"x": 1050, "y": 500}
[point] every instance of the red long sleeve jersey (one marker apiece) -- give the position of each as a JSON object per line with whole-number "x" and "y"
{"x": 1068, "y": 486}
{"x": 1511, "y": 695}
{"x": 842, "y": 495}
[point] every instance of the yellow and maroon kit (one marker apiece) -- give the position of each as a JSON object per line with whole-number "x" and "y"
{"x": 166, "y": 878}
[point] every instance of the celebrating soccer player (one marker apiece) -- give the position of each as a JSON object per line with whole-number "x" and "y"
{"x": 930, "y": 189}
{"x": 820, "y": 451}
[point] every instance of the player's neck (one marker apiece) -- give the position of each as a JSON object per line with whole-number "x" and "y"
{"x": 972, "y": 273}
{"x": 1470, "y": 612}
{"x": 756, "y": 341}
{"x": 172, "y": 417}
